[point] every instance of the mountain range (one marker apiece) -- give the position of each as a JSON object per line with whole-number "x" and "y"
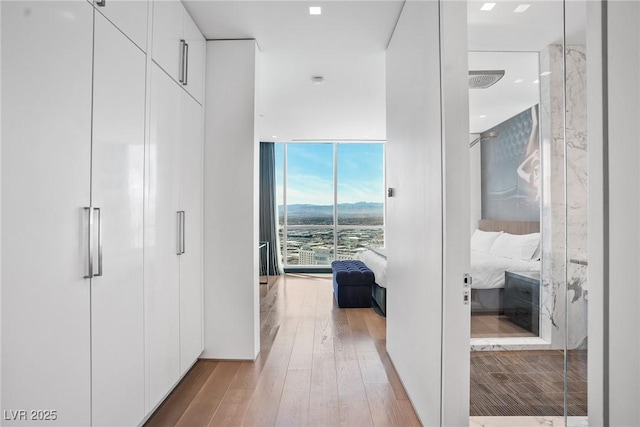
{"x": 359, "y": 208}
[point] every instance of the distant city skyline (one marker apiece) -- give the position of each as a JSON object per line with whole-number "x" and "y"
{"x": 360, "y": 171}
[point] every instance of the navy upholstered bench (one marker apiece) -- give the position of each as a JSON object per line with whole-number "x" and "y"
{"x": 352, "y": 282}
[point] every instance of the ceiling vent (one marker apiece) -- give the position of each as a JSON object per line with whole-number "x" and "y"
{"x": 483, "y": 79}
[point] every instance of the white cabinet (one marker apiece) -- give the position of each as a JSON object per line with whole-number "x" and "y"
{"x": 101, "y": 315}
{"x": 173, "y": 239}
{"x": 178, "y": 47}
{"x": 191, "y": 198}
{"x": 117, "y": 317}
{"x": 71, "y": 343}
{"x": 162, "y": 274}
{"x": 130, "y": 16}
{"x": 46, "y": 152}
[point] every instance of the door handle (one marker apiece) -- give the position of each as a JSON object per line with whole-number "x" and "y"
{"x": 182, "y": 60}
{"x": 179, "y": 252}
{"x": 184, "y": 234}
{"x": 89, "y": 274}
{"x": 99, "y": 241}
{"x": 186, "y": 63}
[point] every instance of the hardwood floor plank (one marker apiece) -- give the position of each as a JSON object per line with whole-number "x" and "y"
{"x": 206, "y": 401}
{"x": 371, "y": 368}
{"x": 232, "y": 408}
{"x": 354, "y": 406}
{"x": 376, "y": 325}
{"x": 324, "y": 405}
{"x": 392, "y": 375}
{"x": 294, "y": 404}
{"x": 384, "y": 407}
{"x": 177, "y": 402}
{"x": 263, "y": 409}
{"x": 362, "y": 340}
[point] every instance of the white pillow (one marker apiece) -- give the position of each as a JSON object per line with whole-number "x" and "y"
{"x": 516, "y": 246}
{"x": 481, "y": 241}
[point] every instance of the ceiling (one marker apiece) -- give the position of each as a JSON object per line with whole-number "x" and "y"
{"x": 346, "y": 46}
{"x": 516, "y": 91}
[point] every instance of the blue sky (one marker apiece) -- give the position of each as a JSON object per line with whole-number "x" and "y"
{"x": 310, "y": 173}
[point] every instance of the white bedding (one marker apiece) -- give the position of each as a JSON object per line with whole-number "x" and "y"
{"x": 376, "y": 260}
{"x": 487, "y": 270}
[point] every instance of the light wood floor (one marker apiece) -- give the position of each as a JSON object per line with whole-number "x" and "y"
{"x": 319, "y": 365}
{"x": 496, "y": 326}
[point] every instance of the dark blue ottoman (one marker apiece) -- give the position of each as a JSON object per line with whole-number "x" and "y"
{"x": 352, "y": 282}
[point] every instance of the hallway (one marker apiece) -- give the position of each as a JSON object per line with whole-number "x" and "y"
{"x": 319, "y": 365}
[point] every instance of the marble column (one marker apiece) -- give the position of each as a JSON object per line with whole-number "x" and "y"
{"x": 564, "y": 285}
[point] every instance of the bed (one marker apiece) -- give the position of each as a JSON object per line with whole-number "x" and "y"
{"x": 488, "y": 270}
{"x": 376, "y": 260}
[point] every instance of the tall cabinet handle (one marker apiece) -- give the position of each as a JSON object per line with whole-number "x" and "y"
{"x": 99, "y": 241}
{"x": 184, "y": 234}
{"x": 182, "y": 60}
{"x": 186, "y": 63}
{"x": 89, "y": 274}
{"x": 179, "y": 252}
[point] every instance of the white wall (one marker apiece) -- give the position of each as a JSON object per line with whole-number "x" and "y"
{"x": 231, "y": 297}
{"x": 475, "y": 175}
{"x": 623, "y": 128}
{"x": 424, "y": 152}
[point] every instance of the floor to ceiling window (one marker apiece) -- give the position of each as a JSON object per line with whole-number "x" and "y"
{"x": 330, "y": 200}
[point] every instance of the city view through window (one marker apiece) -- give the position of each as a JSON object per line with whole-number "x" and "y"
{"x": 330, "y": 201}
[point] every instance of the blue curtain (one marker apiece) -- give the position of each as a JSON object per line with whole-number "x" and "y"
{"x": 268, "y": 210}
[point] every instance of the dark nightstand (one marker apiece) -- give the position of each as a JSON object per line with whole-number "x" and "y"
{"x": 522, "y": 299}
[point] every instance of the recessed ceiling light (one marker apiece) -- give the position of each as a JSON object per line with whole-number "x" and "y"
{"x": 317, "y": 79}
{"x": 315, "y": 10}
{"x": 521, "y": 8}
{"x": 274, "y": 136}
{"x": 488, "y": 6}
{"x": 546, "y": 73}
{"x": 482, "y": 116}
{"x": 518, "y": 80}
{"x": 536, "y": 81}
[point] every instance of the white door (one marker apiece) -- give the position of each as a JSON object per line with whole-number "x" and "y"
{"x": 130, "y": 16}
{"x": 162, "y": 293}
{"x": 46, "y": 154}
{"x": 191, "y": 321}
{"x": 117, "y": 191}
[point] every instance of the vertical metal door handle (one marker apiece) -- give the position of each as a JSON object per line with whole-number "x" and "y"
{"x": 184, "y": 234}
{"x": 186, "y": 63}
{"x": 99, "y": 241}
{"x": 179, "y": 233}
{"x": 89, "y": 274}
{"x": 182, "y": 60}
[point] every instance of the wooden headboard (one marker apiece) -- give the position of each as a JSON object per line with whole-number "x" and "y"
{"x": 513, "y": 227}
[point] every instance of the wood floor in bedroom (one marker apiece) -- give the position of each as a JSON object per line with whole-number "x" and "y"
{"x": 319, "y": 365}
{"x": 496, "y": 326}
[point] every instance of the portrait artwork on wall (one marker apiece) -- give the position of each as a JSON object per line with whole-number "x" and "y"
{"x": 511, "y": 169}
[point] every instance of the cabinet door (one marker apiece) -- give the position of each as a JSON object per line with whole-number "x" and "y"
{"x": 162, "y": 291}
{"x": 191, "y": 321}
{"x": 46, "y": 152}
{"x": 117, "y": 189}
{"x": 130, "y": 16}
{"x": 195, "y": 59}
{"x": 167, "y": 33}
